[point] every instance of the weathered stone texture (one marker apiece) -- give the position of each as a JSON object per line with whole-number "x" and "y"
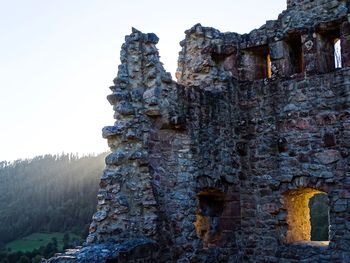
{"x": 203, "y": 167}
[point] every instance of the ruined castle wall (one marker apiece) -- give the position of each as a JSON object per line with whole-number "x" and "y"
{"x": 297, "y": 138}
{"x": 305, "y": 111}
{"x": 170, "y": 161}
{"x": 310, "y": 5}
{"x": 184, "y": 161}
{"x": 207, "y": 169}
{"x": 233, "y": 141}
{"x": 127, "y": 207}
{"x": 254, "y": 115}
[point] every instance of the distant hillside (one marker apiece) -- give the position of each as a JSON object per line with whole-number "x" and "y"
{"x": 51, "y": 193}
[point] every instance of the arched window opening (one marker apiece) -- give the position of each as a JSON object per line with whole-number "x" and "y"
{"x": 337, "y": 53}
{"x": 307, "y": 218}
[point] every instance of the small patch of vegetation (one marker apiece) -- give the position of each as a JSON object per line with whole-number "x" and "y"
{"x": 36, "y": 240}
{"x": 36, "y": 246}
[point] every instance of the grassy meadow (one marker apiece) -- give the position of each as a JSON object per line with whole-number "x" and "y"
{"x": 36, "y": 240}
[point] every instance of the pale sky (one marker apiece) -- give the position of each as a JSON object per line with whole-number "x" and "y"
{"x": 59, "y": 57}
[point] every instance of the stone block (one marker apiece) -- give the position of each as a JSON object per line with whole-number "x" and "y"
{"x": 277, "y": 50}
{"x": 328, "y": 156}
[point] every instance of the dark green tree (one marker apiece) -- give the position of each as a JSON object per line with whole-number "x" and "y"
{"x": 319, "y": 213}
{"x": 24, "y": 259}
{"x": 50, "y": 250}
{"x": 66, "y": 241}
{"x": 36, "y": 259}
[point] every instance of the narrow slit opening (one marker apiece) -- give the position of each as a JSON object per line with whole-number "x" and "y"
{"x": 337, "y": 53}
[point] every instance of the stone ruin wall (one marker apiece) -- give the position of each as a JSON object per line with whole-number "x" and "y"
{"x": 199, "y": 168}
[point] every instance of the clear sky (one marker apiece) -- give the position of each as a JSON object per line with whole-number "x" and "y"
{"x": 58, "y": 58}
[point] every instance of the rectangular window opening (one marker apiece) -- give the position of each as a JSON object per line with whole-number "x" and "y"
{"x": 329, "y": 48}
{"x": 259, "y": 62}
{"x": 211, "y": 206}
{"x": 295, "y": 54}
{"x": 218, "y": 216}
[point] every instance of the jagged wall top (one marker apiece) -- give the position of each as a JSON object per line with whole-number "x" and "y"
{"x": 310, "y": 3}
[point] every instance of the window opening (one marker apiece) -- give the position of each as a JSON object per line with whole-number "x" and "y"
{"x": 219, "y": 59}
{"x": 337, "y": 53}
{"x": 295, "y": 51}
{"x": 329, "y": 49}
{"x": 258, "y": 62}
{"x": 308, "y": 220}
{"x": 211, "y": 206}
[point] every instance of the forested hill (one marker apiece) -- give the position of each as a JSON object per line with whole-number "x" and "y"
{"x": 51, "y": 193}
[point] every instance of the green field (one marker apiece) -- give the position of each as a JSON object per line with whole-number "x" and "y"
{"x": 36, "y": 240}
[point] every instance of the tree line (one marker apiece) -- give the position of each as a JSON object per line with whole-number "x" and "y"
{"x": 50, "y": 193}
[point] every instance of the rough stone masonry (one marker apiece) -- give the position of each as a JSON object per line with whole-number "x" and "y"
{"x": 220, "y": 165}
